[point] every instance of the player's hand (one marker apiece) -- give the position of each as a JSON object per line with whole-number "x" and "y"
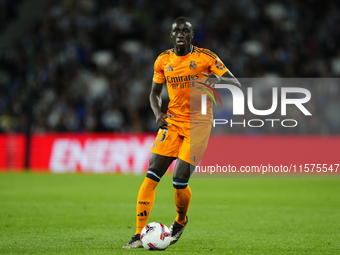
{"x": 160, "y": 120}
{"x": 211, "y": 78}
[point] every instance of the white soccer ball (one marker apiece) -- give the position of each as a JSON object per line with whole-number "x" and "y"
{"x": 155, "y": 236}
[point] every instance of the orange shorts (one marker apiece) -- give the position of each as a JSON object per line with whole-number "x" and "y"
{"x": 184, "y": 140}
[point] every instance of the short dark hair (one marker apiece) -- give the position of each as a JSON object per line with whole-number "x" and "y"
{"x": 183, "y": 19}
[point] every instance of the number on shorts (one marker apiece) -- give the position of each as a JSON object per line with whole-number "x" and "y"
{"x": 161, "y": 139}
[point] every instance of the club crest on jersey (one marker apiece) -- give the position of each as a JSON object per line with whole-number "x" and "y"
{"x": 192, "y": 65}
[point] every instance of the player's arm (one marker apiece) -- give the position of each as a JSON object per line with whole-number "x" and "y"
{"x": 218, "y": 72}
{"x": 226, "y": 78}
{"x": 156, "y": 104}
{"x": 229, "y": 78}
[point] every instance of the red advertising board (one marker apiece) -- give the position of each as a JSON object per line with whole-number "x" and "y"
{"x": 285, "y": 154}
{"x": 12, "y": 152}
{"x": 257, "y": 150}
{"x": 91, "y": 153}
{"x": 129, "y": 153}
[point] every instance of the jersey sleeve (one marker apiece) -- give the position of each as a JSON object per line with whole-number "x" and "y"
{"x": 158, "y": 75}
{"x": 214, "y": 63}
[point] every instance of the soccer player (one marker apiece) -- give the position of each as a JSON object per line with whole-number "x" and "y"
{"x": 181, "y": 67}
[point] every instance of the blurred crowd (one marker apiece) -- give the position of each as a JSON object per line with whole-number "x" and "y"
{"x": 87, "y": 65}
{"x": 8, "y": 11}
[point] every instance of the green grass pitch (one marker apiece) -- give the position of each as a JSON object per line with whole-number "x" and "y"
{"x": 95, "y": 214}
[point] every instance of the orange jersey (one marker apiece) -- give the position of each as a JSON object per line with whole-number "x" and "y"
{"x": 181, "y": 74}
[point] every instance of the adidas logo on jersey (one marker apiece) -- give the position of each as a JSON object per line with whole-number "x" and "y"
{"x": 169, "y": 69}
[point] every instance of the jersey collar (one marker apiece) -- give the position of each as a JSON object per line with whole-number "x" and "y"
{"x": 191, "y": 51}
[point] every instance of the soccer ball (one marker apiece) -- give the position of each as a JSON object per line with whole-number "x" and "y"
{"x": 155, "y": 236}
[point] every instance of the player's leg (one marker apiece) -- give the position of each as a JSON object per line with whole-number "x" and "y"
{"x": 158, "y": 166}
{"x": 182, "y": 173}
{"x": 146, "y": 196}
{"x": 163, "y": 152}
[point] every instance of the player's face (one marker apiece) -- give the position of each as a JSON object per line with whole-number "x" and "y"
{"x": 181, "y": 34}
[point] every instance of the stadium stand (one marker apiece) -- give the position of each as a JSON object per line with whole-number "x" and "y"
{"x": 93, "y": 60}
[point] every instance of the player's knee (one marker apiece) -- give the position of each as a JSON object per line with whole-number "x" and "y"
{"x": 183, "y": 169}
{"x": 180, "y": 183}
{"x": 154, "y": 174}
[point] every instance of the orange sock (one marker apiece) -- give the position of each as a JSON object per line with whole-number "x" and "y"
{"x": 145, "y": 200}
{"x": 182, "y": 201}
